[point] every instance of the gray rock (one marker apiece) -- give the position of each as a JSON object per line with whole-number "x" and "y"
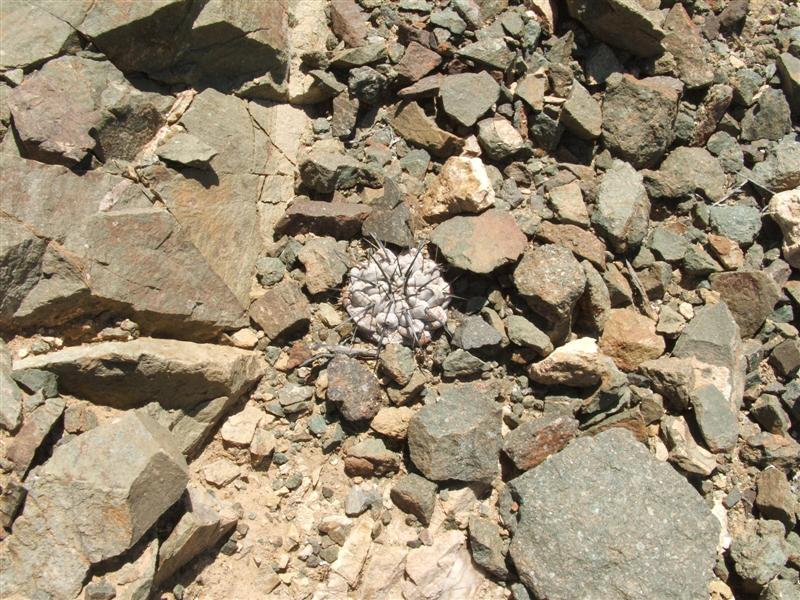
{"x": 361, "y": 498}
{"x": 359, "y": 56}
{"x": 770, "y": 415}
{"x": 186, "y": 149}
{"x": 474, "y": 333}
{"x": 551, "y": 280}
{"x": 581, "y": 114}
{"x": 594, "y": 306}
{"x": 462, "y": 363}
{"x": 325, "y": 172}
{"x": 671, "y": 377}
{"x": 192, "y": 426}
{"x": 353, "y": 387}
{"x": 44, "y": 35}
{"x": 344, "y": 115}
{"x": 398, "y": 362}
{"x": 698, "y": 262}
{"x": 448, "y": 19}
{"x": 715, "y": 418}
{"x": 130, "y": 467}
{"x": 415, "y": 495}
{"x": 750, "y": 295}
{"x": 100, "y": 590}
{"x": 622, "y": 213}
{"x": 457, "y": 438}
{"x": 499, "y": 139}
{"x": 746, "y": 84}
{"x": 780, "y": 589}
{"x": 390, "y": 225}
{"x": 624, "y": 24}
{"x": 370, "y": 458}
{"x": 737, "y": 222}
{"x": 727, "y": 150}
{"x": 568, "y": 205}
{"x": 174, "y": 373}
{"x": 591, "y": 502}
{"x": 282, "y": 310}
{"x": 11, "y": 406}
{"x": 326, "y": 262}
{"x": 295, "y": 399}
{"x": 789, "y": 69}
{"x": 686, "y": 171}
{"x": 780, "y": 169}
{"x": 467, "y": 96}
{"x": 366, "y": 84}
{"x": 488, "y": 549}
{"x": 269, "y": 270}
{"x": 524, "y": 333}
{"x": 668, "y": 244}
{"x": 769, "y": 119}
{"x": 36, "y": 426}
{"x": 490, "y": 51}
{"x": 36, "y": 380}
{"x": 759, "y": 554}
{"x": 639, "y": 117}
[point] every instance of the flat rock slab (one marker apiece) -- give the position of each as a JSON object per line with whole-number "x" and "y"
{"x": 128, "y": 374}
{"x": 605, "y": 519}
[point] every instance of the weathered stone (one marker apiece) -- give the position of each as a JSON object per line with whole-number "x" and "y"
{"x": 770, "y": 415}
{"x": 11, "y": 406}
{"x": 474, "y": 333}
{"x": 581, "y": 242}
{"x": 737, "y": 222}
{"x": 129, "y": 467}
{"x": 358, "y": 57}
{"x": 592, "y": 501}
{"x": 532, "y": 442}
{"x": 398, "y": 362}
{"x": 768, "y": 119}
{"x": 354, "y": 552}
{"x": 623, "y": 208}
{"x": 342, "y": 220}
{"x": 551, "y": 280}
{"x": 668, "y": 242}
{"x": 683, "y": 450}
{"x": 577, "y": 364}
{"x": 349, "y": 22}
{"x": 789, "y": 69}
{"x": 568, "y": 205}
{"x": 671, "y": 377}
{"x": 326, "y": 262}
{"x": 581, "y": 114}
{"x": 462, "y": 186}
{"x": 630, "y": 339}
{"x": 176, "y": 374}
{"x": 44, "y": 36}
{"x": 106, "y": 117}
{"x": 238, "y": 429}
{"x": 360, "y": 498}
{"x": 490, "y": 51}
{"x": 370, "y": 458}
{"x": 467, "y": 96}
{"x": 186, "y": 149}
{"x": 221, "y": 472}
{"x": 686, "y": 171}
{"x": 415, "y": 495}
{"x": 480, "y": 244}
{"x": 192, "y": 426}
{"x": 326, "y": 172}
{"x": 594, "y": 306}
{"x": 709, "y": 114}
{"x": 531, "y": 89}
{"x": 775, "y": 499}
{"x": 499, "y": 139}
{"x": 417, "y": 62}
{"x": 784, "y": 208}
{"x": 715, "y": 418}
{"x": 296, "y": 399}
{"x": 205, "y": 522}
{"x": 353, "y": 387}
{"x": 392, "y": 421}
{"x": 282, "y": 310}
{"x": 413, "y": 125}
{"x": 462, "y": 363}
{"x": 750, "y": 296}
{"x": 456, "y": 438}
{"x": 434, "y": 568}
{"x": 785, "y": 358}
{"x": 524, "y": 333}
{"x": 758, "y": 554}
{"x": 684, "y": 41}
{"x": 390, "y": 225}
{"x": 638, "y": 117}
{"x": 36, "y": 426}
{"x": 344, "y": 115}
{"x": 487, "y": 546}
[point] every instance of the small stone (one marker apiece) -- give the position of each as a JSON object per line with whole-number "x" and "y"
{"x": 577, "y": 364}
{"x": 789, "y": 69}
{"x": 784, "y": 209}
{"x": 737, "y": 222}
{"x": 780, "y": 169}
{"x": 238, "y": 429}
{"x": 684, "y": 41}
{"x": 698, "y": 262}
{"x": 750, "y": 295}
{"x": 487, "y": 546}
{"x": 474, "y": 333}
{"x": 551, "y": 280}
{"x": 768, "y": 119}
{"x": 462, "y": 363}
{"x": 531, "y": 89}
{"x": 354, "y": 389}
{"x": 417, "y": 62}
{"x": 295, "y": 399}
{"x": 463, "y": 185}
{"x": 568, "y": 205}
{"x": 324, "y": 171}
{"x": 581, "y": 114}
{"x": 326, "y": 263}
{"x": 448, "y": 19}
{"x": 490, "y": 51}
{"x": 715, "y": 418}
{"x": 398, "y": 362}
{"x": 392, "y": 421}
{"x": 768, "y": 412}
{"x": 594, "y": 306}
{"x": 11, "y": 406}
{"x": 221, "y": 472}
{"x": 727, "y": 150}
{"x": 361, "y": 498}
{"x": 524, "y": 333}
{"x": 532, "y": 442}
{"x": 370, "y": 458}
{"x": 622, "y": 214}
{"x": 366, "y": 84}
{"x": 608, "y": 19}
{"x": 671, "y": 377}
{"x": 185, "y": 149}
{"x": 468, "y": 96}
{"x": 36, "y": 426}
{"x": 668, "y": 243}
{"x": 758, "y": 554}
{"x": 785, "y": 358}
{"x": 683, "y": 450}
{"x": 270, "y": 270}
{"x": 456, "y": 438}
{"x": 101, "y": 589}
{"x": 282, "y": 310}
{"x": 630, "y": 339}
{"x": 262, "y": 446}
{"x": 498, "y": 138}
{"x": 344, "y": 114}
{"x": 413, "y": 125}
{"x": 686, "y": 171}
{"x": 581, "y": 242}
{"x": 415, "y": 495}
{"x": 775, "y": 499}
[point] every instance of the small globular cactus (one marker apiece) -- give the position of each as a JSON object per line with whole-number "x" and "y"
{"x": 397, "y": 298}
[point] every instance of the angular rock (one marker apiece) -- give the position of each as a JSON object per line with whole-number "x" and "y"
{"x": 353, "y": 387}
{"x": 683, "y": 450}
{"x": 715, "y": 418}
{"x": 785, "y": 358}
{"x": 638, "y": 117}
{"x": 398, "y": 362}
{"x": 577, "y": 364}
{"x": 630, "y": 339}
{"x": 326, "y": 263}
{"x": 480, "y": 244}
{"x": 775, "y": 499}
{"x": 186, "y": 149}
{"x": 532, "y": 442}
{"x": 623, "y": 208}
{"x": 360, "y": 498}
{"x": 349, "y": 22}
{"x": 568, "y": 205}
{"x": 282, "y": 310}
{"x": 43, "y": 36}
{"x": 11, "y": 406}
{"x": 686, "y": 171}
{"x": 592, "y": 501}
{"x": 415, "y": 495}
{"x": 413, "y": 125}
{"x": 370, "y": 458}
{"x": 551, "y": 280}
{"x": 499, "y": 139}
{"x": 581, "y": 242}
{"x": 758, "y": 554}
{"x": 487, "y": 546}
{"x": 524, "y": 333}
{"x": 456, "y": 438}
{"x": 467, "y": 96}
{"x": 684, "y": 41}
{"x": 462, "y": 186}
{"x": 769, "y": 119}
{"x": 221, "y": 472}
{"x": 490, "y": 51}
{"x": 192, "y": 426}
{"x": 354, "y": 552}
{"x": 175, "y": 374}
{"x": 474, "y": 333}
{"x": 581, "y": 114}
{"x": 392, "y": 421}
{"x": 344, "y": 115}
{"x": 750, "y": 296}
{"x": 531, "y": 89}
{"x": 239, "y": 429}
{"x": 671, "y": 377}
{"x": 341, "y": 220}
{"x": 789, "y": 69}
{"x": 462, "y": 363}
{"x": 780, "y": 169}
{"x": 129, "y": 467}
{"x": 709, "y": 114}
{"x": 417, "y": 62}
{"x": 595, "y": 304}
{"x": 784, "y": 208}
{"x": 36, "y": 426}
{"x": 326, "y": 172}
{"x": 390, "y": 225}
{"x": 737, "y": 222}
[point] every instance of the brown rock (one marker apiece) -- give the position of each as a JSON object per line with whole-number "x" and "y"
{"x": 551, "y": 281}
{"x": 325, "y": 261}
{"x": 370, "y": 458}
{"x": 531, "y": 89}
{"x": 671, "y": 377}
{"x": 684, "y": 41}
{"x": 36, "y": 426}
{"x": 424, "y": 88}
{"x": 392, "y": 421}
{"x": 353, "y": 387}
{"x": 714, "y": 106}
{"x": 726, "y": 251}
{"x": 750, "y": 295}
{"x": 417, "y": 62}
{"x": 630, "y": 339}
{"x": 775, "y": 499}
{"x": 282, "y": 309}
{"x": 480, "y": 244}
{"x": 581, "y": 242}
{"x": 533, "y": 441}
{"x": 349, "y": 22}
{"x": 413, "y": 125}
{"x": 341, "y": 220}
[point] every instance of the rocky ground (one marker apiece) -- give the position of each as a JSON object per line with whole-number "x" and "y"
{"x": 191, "y": 191}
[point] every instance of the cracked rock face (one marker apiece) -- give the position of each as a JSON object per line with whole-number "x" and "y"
{"x": 397, "y": 298}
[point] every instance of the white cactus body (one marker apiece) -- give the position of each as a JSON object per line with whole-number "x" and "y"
{"x": 397, "y": 298}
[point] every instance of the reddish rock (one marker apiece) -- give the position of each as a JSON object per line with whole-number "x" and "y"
{"x": 354, "y": 389}
{"x": 417, "y": 62}
{"x": 349, "y": 22}
{"x": 341, "y": 220}
{"x": 281, "y": 310}
{"x": 630, "y": 339}
{"x": 581, "y": 242}
{"x": 413, "y": 125}
{"x": 726, "y": 251}
{"x": 750, "y": 295}
{"x": 533, "y": 441}
{"x": 551, "y": 280}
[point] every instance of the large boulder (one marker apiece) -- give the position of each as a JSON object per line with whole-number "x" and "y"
{"x": 603, "y": 518}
